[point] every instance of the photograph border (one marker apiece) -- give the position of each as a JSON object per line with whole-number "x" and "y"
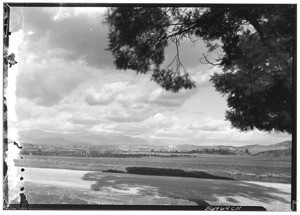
{"x": 8, "y": 5}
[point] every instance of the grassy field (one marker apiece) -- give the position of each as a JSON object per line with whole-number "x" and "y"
{"x": 266, "y": 169}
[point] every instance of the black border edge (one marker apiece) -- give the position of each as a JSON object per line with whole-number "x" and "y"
{"x": 146, "y": 207}
{"x": 6, "y": 8}
{"x": 80, "y": 4}
{"x": 137, "y": 207}
{"x": 294, "y": 120}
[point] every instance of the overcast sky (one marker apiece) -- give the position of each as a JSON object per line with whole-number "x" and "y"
{"x": 66, "y": 82}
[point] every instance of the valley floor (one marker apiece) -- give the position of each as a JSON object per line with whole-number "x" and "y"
{"x": 61, "y": 186}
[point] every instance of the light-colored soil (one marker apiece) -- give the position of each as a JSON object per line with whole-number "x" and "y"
{"x": 58, "y": 186}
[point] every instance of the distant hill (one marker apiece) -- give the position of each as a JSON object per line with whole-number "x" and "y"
{"x": 58, "y": 142}
{"x": 94, "y": 139}
{"x": 254, "y": 149}
{"x": 79, "y": 139}
{"x": 275, "y": 153}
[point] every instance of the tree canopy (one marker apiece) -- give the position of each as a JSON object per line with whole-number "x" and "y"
{"x": 256, "y": 49}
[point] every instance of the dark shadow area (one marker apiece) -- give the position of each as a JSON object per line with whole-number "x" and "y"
{"x": 167, "y": 172}
{"x": 199, "y": 202}
{"x": 197, "y": 190}
{"x": 113, "y": 171}
{"x": 230, "y": 199}
{"x": 173, "y": 172}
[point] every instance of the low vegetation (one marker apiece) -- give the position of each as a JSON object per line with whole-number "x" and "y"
{"x": 74, "y": 153}
{"x": 250, "y": 168}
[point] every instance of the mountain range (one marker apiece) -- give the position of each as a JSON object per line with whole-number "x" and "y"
{"x": 96, "y": 139}
{"x": 79, "y": 139}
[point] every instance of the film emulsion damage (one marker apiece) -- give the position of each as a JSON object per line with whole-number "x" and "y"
{"x": 9, "y": 170}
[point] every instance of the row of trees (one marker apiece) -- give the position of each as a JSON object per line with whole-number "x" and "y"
{"x": 107, "y": 155}
{"x": 214, "y": 151}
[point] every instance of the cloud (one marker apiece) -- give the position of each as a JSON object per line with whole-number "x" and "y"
{"x": 84, "y": 121}
{"x": 55, "y": 36}
{"x": 61, "y": 14}
{"x": 98, "y": 100}
{"x": 37, "y": 20}
{"x": 53, "y": 62}
{"x": 212, "y": 125}
{"x": 201, "y": 77}
{"x": 148, "y": 126}
{"x": 60, "y": 117}
{"x": 159, "y": 120}
{"x": 85, "y": 40}
{"x": 137, "y": 95}
{"x": 170, "y": 99}
{"x": 49, "y": 81}
{"x": 122, "y": 115}
{"x": 31, "y": 116}
{"x": 106, "y": 95}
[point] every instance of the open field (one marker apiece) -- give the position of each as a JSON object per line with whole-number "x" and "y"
{"x": 58, "y": 186}
{"x": 265, "y": 169}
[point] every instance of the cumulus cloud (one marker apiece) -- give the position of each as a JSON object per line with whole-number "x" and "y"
{"x": 93, "y": 99}
{"x": 48, "y": 82}
{"x": 148, "y": 126}
{"x": 159, "y": 120}
{"x": 53, "y": 61}
{"x": 212, "y": 125}
{"x": 140, "y": 95}
{"x": 88, "y": 121}
{"x": 60, "y": 117}
{"x": 55, "y": 36}
{"x": 31, "y": 116}
{"x": 170, "y": 99}
{"x": 201, "y": 77}
{"x": 122, "y": 114}
{"x": 106, "y": 95}
{"x": 87, "y": 39}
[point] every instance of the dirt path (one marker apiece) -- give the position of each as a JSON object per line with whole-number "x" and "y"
{"x": 113, "y": 188}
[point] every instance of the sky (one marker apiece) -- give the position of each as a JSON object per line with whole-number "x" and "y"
{"x": 65, "y": 81}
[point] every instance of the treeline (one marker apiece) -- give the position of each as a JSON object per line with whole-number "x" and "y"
{"x": 198, "y": 151}
{"x": 107, "y": 155}
{"x": 214, "y": 151}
